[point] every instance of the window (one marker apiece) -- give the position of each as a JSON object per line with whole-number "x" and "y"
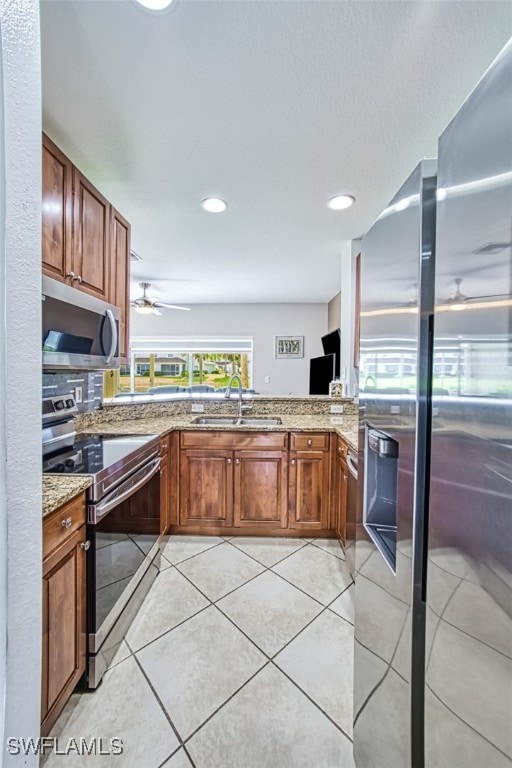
{"x": 186, "y": 362}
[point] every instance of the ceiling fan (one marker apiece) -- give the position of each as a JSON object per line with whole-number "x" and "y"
{"x": 458, "y": 300}
{"x": 146, "y": 305}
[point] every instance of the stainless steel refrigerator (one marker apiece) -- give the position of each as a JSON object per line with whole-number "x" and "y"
{"x": 468, "y": 715}
{"x": 433, "y": 594}
{"x": 397, "y": 295}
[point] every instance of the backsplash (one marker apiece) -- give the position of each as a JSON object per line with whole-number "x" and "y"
{"x": 261, "y": 406}
{"x": 65, "y": 383}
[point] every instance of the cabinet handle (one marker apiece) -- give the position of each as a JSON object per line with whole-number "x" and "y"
{"x": 67, "y": 523}
{"x": 71, "y": 275}
{"x": 237, "y": 461}
{"x": 230, "y": 461}
{"x": 86, "y": 545}
{"x": 292, "y": 462}
{"x": 345, "y": 478}
{"x": 78, "y": 278}
{"x": 340, "y": 450}
{"x": 310, "y": 442}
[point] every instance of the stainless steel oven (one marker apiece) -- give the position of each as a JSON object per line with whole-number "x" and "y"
{"x": 123, "y": 522}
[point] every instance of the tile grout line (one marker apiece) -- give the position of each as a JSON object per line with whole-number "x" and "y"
{"x": 291, "y": 680}
{"x": 161, "y": 705}
{"x": 213, "y": 546}
{"x": 199, "y": 727}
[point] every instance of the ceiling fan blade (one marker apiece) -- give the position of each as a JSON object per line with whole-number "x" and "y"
{"x": 155, "y": 310}
{"x": 173, "y": 306}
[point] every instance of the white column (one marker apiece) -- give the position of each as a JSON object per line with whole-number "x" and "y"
{"x": 20, "y": 376}
{"x": 348, "y": 374}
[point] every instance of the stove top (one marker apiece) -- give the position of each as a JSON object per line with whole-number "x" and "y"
{"x": 92, "y": 454}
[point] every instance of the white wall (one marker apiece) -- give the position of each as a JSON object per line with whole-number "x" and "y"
{"x": 263, "y": 322}
{"x": 334, "y": 313}
{"x": 20, "y": 375}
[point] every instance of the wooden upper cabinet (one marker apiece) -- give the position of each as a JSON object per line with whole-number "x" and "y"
{"x": 260, "y": 488}
{"x": 206, "y": 487}
{"x": 120, "y": 232}
{"x": 56, "y": 232}
{"x": 91, "y": 238}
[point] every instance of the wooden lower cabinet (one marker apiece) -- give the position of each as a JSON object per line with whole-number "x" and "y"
{"x": 308, "y": 494}
{"x": 164, "y": 490}
{"x": 340, "y": 490}
{"x": 252, "y": 482}
{"x": 64, "y": 611}
{"x": 260, "y": 489}
{"x": 206, "y": 487}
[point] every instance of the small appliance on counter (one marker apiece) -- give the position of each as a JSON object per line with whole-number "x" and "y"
{"x": 123, "y": 523}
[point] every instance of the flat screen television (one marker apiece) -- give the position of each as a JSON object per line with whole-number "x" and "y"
{"x": 321, "y": 373}
{"x": 331, "y": 344}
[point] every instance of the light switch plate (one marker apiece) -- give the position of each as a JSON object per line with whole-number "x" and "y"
{"x": 78, "y": 394}
{"x": 267, "y": 379}
{"x": 197, "y": 407}
{"x": 336, "y": 409}
{"x": 395, "y": 409}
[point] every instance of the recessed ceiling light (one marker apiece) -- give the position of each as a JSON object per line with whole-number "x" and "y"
{"x": 157, "y": 5}
{"x": 340, "y": 202}
{"x": 214, "y": 205}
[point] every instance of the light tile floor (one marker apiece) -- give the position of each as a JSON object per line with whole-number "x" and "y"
{"x": 240, "y": 657}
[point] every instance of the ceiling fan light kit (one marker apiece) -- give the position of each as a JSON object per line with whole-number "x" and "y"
{"x": 145, "y": 305}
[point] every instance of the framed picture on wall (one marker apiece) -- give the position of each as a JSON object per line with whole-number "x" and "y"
{"x": 289, "y": 346}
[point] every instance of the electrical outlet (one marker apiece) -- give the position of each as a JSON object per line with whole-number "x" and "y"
{"x": 78, "y": 394}
{"x": 336, "y": 409}
{"x": 267, "y": 379}
{"x": 395, "y": 409}
{"x": 197, "y": 407}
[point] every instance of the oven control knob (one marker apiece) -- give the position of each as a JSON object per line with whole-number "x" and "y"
{"x": 70, "y": 403}
{"x": 69, "y": 462}
{"x": 59, "y": 405}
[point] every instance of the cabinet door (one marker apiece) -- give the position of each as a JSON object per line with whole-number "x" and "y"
{"x": 56, "y": 221}
{"x": 260, "y": 489}
{"x": 91, "y": 238}
{"x": 164, "y": 494}
{"x": 341, "y": 499}
{"x": 120, "y": 233}
{"x": 64, "y": 639}
{"x": 206, "y": 488}
{"x": 309, "y": 490}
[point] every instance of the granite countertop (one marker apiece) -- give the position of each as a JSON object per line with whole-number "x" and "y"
{"x": 345, "y": 426}
{"x": 58, "y": 489}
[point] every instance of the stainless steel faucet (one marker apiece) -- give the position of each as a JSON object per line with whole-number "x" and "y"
{"x": 241, "y": 407}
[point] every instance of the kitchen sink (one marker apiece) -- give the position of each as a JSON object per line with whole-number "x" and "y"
{"x": 234, "y": 421}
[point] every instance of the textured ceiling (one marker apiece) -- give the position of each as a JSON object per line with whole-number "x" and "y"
{"x": 273, "y": 106}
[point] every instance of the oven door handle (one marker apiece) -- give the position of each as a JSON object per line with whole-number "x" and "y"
{"x": 351, "y": 466}
{"x": 126, "y": 489}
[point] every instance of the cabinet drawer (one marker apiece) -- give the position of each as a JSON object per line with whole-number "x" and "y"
{"x": 234, "y": 440}
{"x": 309, "y": 441}
{"x": 62, "y": 523}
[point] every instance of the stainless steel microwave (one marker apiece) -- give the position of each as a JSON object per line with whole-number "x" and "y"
{"x": 80, "y": 332}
